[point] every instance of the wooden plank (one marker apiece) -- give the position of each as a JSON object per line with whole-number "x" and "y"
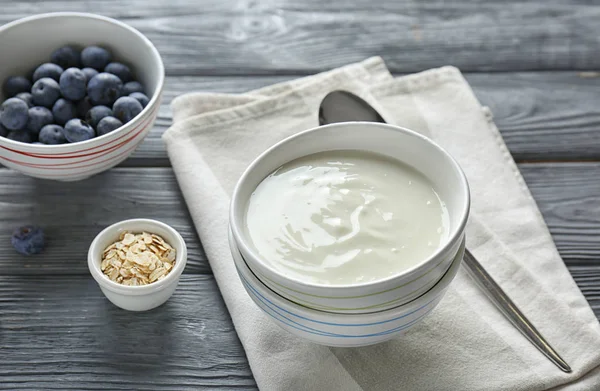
{"x": 588, "y": 280}
{"x": 568, "y": 196}
{"x": 73, "y": 213}
{"x": 542, "y": 115}
{"x": 224, "y": 37}
{"x": 60, "y": 333}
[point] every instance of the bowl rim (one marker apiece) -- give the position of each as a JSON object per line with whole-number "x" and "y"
{"x": 94, "y": 260}
{"x": 123, "y": 129}
{"x": 254, "y": 257}
{"x": 427, "y": 297}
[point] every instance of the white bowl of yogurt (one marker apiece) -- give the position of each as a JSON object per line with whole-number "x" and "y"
{"x": 353, "y": 217}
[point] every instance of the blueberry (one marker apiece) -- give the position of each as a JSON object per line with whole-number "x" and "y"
{"x": 25, "y": 97}
{"x": 66, "y": 57}
{"x": 14, "y": 114}
{"x": 38, "y": 118}
{"x": 89, "y": 73}
{"x": 104, "y": 89}
{"x": 45, "y": 92}
{"x": 107, "y": 125}
{"x": 63, "y": 110}
{"x": 28, "y": 240}
{"x": 77, "y": 130}
{"x": 3, "y": 131}
{"x": 20, "y": 135}
{"x": 48, "y": 69}
{"x": 120, "y": 70}
{"x": 95, "y": 57}
{"x": 142, "y": 98}
{"x": 126, "y": 108}
{"x": 15, "y": 84}
{"x": 131, "y": 87}
{"x": 96, "y": 113}
{"x": 73, "y": 84}
{"x": 83, "y": 106}
{"x": 52, "y": 134}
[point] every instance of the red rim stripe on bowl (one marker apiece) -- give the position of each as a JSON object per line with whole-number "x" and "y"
{"x": 97, "y": 165}
{"x": 108, "y": 150}
{"x": 139, "y": 129}
{"x": 71, "y": 165}
{"x": 69, "y": 154}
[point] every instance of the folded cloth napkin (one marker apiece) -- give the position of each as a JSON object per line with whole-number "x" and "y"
{"x": 465, "y": 343}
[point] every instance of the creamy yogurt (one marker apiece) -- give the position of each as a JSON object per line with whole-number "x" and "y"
{"x": 345, "y": 217}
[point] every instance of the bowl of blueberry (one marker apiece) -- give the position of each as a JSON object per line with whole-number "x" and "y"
{"x": 79, "y": 94}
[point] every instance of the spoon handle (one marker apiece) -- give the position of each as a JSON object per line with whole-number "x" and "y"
{"x": 510, "y": 310}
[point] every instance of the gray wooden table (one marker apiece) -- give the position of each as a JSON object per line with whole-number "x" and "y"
{"x": 532, "y": 62}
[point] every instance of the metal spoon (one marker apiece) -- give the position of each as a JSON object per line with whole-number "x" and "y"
{"x": 343, "y": 106}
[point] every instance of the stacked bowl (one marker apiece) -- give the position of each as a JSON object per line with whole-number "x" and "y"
{"x": 364, "y": 313}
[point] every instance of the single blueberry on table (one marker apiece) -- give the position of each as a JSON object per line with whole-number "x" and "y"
{"x": 45, "y": 92}
{"x": 107, "y": 125}
{"x": 89, "y": 73}
{"x": 3, "y": 131}
{"x": 73, "y": 84}
{"x": 38, "y": 118}
{"x": 28, "y": 240}
{"x": 131, "y": 87}
{"x": 95, "y": 57}
{"x": 20, "y": 135}
{"x": 120, "y": 70}
{"x": 83, "y": 106}
{"x": 48, "y": 69}
{"x": 25, "y": 97}
{"x": 104, "y": 89}
{"x": 66, "y": 57}
{"x": 52, "y": 134}
{"x": 142, "y": 98}
{"x": 126, "y": 108}
{"x": 14, "y": 114}
{"x": 77, "y": 130}
{"x": 96, "y": 113}
{"x": 63, "y": 110}
{"x": 15, "y": 84}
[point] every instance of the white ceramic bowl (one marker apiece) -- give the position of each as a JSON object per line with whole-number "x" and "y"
{"x": 344, "y": 330}
{"x": 28, "y": 42}
{"x": 398, "y": 143}
{"x": 137, "y": 298}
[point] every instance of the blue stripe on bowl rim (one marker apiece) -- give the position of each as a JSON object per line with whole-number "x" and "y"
{"x": 329, "y": 323}
{"x": 318, "y": 307}
{"x": 311, "y": 330}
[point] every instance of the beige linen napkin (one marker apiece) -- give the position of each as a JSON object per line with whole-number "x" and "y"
{"x": 465, "y": 343}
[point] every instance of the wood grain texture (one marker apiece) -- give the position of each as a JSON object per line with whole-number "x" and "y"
{"x": 73, "y": 213}
{"x": 57, "y": 331}
{"x": 588, "y": 280}
{"x": 568, "y": 196}
{"x": 224, "y": 37}
{"x": 61, "y": 333}
{"x": 541, "y": 115}
{"x": 544, "y": 115}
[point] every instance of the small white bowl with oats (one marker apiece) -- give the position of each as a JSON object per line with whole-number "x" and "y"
{"x": 137, "y": 263}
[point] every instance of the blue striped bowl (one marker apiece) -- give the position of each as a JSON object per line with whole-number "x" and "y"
{"x": 342, "y": 330}
{"x": 371, "y": 296}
